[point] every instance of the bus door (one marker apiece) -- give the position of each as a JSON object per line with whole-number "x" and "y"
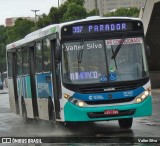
{"x": 55, "y": 79}
{"x": 43, "y": 79}
{"x": 12, "y": 83}
{"x": 25, "y": 81}
{"x": 32, "y": 80}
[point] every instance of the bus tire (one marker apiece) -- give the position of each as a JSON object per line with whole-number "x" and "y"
{"x": 125, "y": 123}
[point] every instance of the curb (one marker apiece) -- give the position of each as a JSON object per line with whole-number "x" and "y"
{"x": 3, "y": 92}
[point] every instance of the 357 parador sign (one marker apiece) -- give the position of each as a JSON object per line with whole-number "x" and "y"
{"x": 103, "y": 27}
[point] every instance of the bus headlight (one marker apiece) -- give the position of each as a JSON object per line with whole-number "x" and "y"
{"x": 74, "y": 101}
{"x": 146, "y": 93}
{"x": 138, "y": 100}
{"x": 80, "y": 103}
{"x": 143, "y": 96}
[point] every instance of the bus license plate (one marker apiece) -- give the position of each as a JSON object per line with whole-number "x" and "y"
{"x": 111, "y": 112}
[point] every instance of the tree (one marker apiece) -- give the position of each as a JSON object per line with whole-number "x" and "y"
{"x": 92, "y": 13}
{"x": 77, "y": 2}
{"x": 128, "y": 12}
{"x": 9, "y": 34}
{"x": 43, "y": 21}
{"x": 21, "y": 28}
{"x": 70, "y": 10}
{"x": 3, "y": 38}
{"x": 74, "y": 12}
{"x": 54, "y": 15}
{"x": 3, "y": 58}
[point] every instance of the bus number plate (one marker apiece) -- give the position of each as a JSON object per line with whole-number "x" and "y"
{"x": 111, "y": 112}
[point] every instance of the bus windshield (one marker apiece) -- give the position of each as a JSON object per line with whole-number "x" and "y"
{"x": 94, "y": 61}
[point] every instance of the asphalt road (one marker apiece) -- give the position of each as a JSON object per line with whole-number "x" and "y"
{"x": 98, "y": 133}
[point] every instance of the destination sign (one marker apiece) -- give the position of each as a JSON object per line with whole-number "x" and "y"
{"x": 100, "y": 28}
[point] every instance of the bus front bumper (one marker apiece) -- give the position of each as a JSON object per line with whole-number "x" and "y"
{"x": 73, "y": 113}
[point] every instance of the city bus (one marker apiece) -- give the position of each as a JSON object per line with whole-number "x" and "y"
{"x": 88, "y": 70}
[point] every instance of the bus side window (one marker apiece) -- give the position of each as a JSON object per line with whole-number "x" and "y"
{"x": 46, "y": 55}
{"x": 19, "y": 62}
{"x": 10, "y": 65}
{"x": 39, "y": 56}
{"x": 25, "y": 61}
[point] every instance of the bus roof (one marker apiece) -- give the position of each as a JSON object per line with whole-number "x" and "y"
{"x": 98, "y": 18}
{"x": 56, "y": 28}
{"x": 34, "y": 35}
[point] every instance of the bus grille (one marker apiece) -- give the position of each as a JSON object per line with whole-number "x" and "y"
{"x": 101, "y": 89}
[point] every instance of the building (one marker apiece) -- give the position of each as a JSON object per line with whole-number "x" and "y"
{"x": 105, "y": 6}
{"x": 62, "y": 1}
{"x": 151, "y": 20}
{"x": 9, "y": 22}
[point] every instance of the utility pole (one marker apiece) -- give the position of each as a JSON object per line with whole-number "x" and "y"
{"x": 35, "y": 11}
{"x": 96, "y": 7}
{"x": 58, "y": 3}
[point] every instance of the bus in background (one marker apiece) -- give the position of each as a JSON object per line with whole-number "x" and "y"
{"x": 5, "y": 79}
{"x": 94, "y": 69}
{"x": 1, "y": 83}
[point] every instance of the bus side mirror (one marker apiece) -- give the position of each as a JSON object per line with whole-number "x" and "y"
{"x": 148, "y": 51}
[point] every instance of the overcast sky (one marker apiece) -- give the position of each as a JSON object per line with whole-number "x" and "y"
{"x": 22, "y": 8}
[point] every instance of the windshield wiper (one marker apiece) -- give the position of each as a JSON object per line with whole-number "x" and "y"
{"x": 80, "y": 53}
{"x": 114, "y": 58}
{"x": 118, "y": 47}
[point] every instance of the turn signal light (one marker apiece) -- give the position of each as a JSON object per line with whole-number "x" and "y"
{"x": 66, "y": 96}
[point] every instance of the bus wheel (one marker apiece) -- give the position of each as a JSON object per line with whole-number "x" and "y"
{"x": 125, "y": 123}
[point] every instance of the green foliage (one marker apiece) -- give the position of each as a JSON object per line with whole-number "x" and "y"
{"x": 21, "y": 28}
{"x": 70, "y": 10}
{"x": 3, "y": 38}
{"x": 128, "y": 12}
{"x": 74, "y": 12}
{"x": 10, "y": 34}
{"x": 54, "y": 15}
{"x": 43, "y": 21}
{"x": 92, "y": 13}
{"x": 77, "y": 2}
